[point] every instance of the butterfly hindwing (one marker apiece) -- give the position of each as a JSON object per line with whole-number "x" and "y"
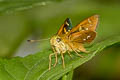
{"x": 83, "y": 36}
{"x": 65, "y": 28}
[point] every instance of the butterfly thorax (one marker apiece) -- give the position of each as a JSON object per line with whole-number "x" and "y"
{"x": 58, "y": 44}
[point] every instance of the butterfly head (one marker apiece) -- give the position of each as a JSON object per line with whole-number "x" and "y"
{"x": 55, "y": 40}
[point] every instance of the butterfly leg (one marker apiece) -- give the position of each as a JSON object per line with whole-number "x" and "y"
{"x": 56, "y": 60}
{"x": 63, "y": 60}
{"x": 50, "y": 60}
{"x": 55, "y": 56}
{"x": 69, "y": 54}
{"x": 75, "y": 50}
{"x": 78, "y": 54}
{"x": 82, "y": 49}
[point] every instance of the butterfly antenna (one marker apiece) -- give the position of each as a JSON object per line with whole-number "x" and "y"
{"x": 37, "y": 40}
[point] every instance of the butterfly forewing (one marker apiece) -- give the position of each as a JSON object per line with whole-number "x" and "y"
{"x": 87, "y": 24}
{"x": 85, "y": 31}
{"x": 65, "y": 28}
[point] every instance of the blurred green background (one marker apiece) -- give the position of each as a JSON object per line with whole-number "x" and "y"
{"x": 34, "y": 20}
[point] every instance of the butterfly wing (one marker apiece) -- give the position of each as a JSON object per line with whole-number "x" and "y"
{"x": 87, "y": 24}
{"x": 83, "y": 36}
{"x": 65, "y": 28}
{"x": 85, "y": 31}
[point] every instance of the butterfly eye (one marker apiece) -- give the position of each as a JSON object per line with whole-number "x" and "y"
{"x": 58, "y": 39}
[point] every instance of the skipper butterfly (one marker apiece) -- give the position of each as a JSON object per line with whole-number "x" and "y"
{"x": 71, "y": 39}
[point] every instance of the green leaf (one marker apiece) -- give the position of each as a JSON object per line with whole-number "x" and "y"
{"x": 35, "y": 67}
{"x": 68, "y": 76}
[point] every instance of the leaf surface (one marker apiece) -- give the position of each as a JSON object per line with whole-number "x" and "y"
{"x": 35, "y": 67}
